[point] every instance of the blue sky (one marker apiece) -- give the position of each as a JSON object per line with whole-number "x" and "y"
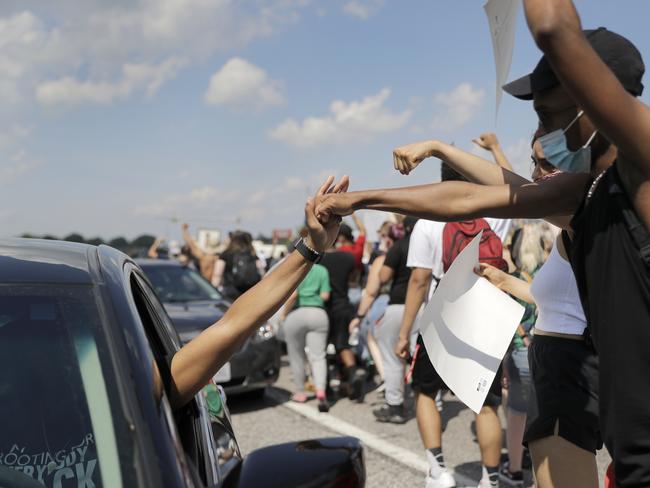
{"x": 121, "y": 115}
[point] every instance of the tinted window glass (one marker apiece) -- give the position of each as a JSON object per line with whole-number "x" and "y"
{"x": 56, "y": 424}
{"x": 180, "y": 284}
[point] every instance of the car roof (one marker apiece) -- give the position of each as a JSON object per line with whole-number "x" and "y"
{"x": 49, "y": 261}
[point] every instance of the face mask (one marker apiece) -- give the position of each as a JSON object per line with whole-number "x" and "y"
{"x": 559, "y": 155}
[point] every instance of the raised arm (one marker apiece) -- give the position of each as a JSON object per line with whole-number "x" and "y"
{"x": 452, "y": 200}
{"x": 194, "y": 365}
{"x": 620, "y": 117}
{"x": 490, "y": 142}
{"x": 359, "y": 224}
{"x": 474, "y": 168}
{"x": 196, "y": 250}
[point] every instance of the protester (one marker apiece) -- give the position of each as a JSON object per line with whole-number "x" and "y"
{"x": 569, "y": 457}
{"x": 307, "y": 326}
{"x": 374, "y": 298}
{"x": 206, "y": 261}
{"x": 347, "y": 243}
{"x": 395, "y": 270}
{"x": 527, "y": 252}
{"x": 238, "y": 267}
{"x": 426, "y": 256}
{"x": 341, "y": 266}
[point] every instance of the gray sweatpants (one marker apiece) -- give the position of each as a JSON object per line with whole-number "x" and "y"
{"x": 307, "y": 326}
{"x": 387, "y": 334}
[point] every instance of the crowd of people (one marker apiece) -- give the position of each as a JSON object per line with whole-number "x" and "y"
{"x": 575, "y": 372}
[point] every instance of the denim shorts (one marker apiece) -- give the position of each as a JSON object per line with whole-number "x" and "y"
{"x": 516, "y": 364}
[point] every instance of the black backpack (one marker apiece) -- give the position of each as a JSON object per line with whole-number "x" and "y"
{"x": 244, "y": 273}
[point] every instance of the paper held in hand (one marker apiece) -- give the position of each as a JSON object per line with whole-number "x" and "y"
{"x": 467, "y": 328}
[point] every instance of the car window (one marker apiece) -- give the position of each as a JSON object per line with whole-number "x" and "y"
{"x": 56, "y": 423}
{"x": 180, "y": 284}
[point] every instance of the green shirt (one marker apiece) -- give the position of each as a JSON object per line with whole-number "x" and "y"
{"x": 316, "y": 282}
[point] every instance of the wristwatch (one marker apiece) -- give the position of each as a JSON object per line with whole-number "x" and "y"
{"x": 307, "y": 252}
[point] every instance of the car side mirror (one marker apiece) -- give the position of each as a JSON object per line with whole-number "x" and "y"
{"x": 333, "y": 462}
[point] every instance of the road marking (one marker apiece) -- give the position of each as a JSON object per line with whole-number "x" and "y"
{"x": 399, "y": 454}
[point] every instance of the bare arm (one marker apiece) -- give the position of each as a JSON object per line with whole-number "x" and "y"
{"x": 196, "y": 250}
{"x": 452, "y": 200}
{"x": 372, "y": 288}
{"x": 416, "y": 292}
{"x": 474, "y": 168}
{"x": 196, "y": 362}
{"x": 506, "y": 282}
{"x": 490, "y": 142}
{"x": 359, "y": 224}
{"x": 152, "y": 252}
{"x": 622, "y": 118}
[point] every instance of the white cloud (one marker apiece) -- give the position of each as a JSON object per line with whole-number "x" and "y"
{"x": 457, "y": 107}
{"x": 13, "y": 135}
{"x": 70, "y": 91}
{"x": 362, "y": 9}
{"x": 358, "y": 121}
{"x": 239, "y": 83}
{"x": 205, "y": 198}
{"x": 92, "y": 42}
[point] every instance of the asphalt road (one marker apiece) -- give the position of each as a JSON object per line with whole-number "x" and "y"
{"x": 394, "y": 455}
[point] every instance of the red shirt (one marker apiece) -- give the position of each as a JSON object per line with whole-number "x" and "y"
{"x": 356, "y": 250}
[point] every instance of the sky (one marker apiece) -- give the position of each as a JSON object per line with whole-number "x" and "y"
{"x": 127, "y": 117}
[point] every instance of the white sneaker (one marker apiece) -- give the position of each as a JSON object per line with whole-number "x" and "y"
{"x": 443, "y": 480}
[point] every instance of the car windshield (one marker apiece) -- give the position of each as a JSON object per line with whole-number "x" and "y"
{"x": 56, "y": 422}
{"x": 180, "y": 284}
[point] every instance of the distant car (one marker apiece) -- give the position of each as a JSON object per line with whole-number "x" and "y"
{"x": 85, "y": 354}
{"x": 194, "y": 305}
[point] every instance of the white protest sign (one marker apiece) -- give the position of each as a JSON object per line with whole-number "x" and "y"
{"x": 467, "y": 327}
{"x": 502, "y": 17}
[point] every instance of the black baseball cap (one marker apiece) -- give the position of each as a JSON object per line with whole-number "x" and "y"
{"x": 618, "y": 53}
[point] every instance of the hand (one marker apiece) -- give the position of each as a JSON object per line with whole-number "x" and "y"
{"x": 185, "y": 227}
{"x": 487, "y": 141}
{"x": 333, "y": 204}
{"x": 492, "y": 274}
{"x": 402, "y": 348}
{"x": 354, "y": 324}
{"x": 406, "y": 158}
{"x": 323, "y": 233}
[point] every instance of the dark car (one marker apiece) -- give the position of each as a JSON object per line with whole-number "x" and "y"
{"x": 194, "y": 305}
{"x": 85, "y": 355}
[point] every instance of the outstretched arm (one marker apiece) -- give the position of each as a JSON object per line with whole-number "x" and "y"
{"x": 452, "y": 200}
{"x": 474, "y": 168}
{"x": 196, "y": 362}
{"x": 506, "y": 282}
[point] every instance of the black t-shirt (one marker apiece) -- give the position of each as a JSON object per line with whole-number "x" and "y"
{"x": 614, "y": 285}
{"x": 396, "y": 259}
{"x": 341, "y": 265}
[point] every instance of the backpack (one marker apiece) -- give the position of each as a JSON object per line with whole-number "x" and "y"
{"x": 457, "y": 235}
{"x": 244, "y": 273}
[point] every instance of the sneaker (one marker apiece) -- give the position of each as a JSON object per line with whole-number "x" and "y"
{"x": 390, "y": 413}
{"x": 323, "y": 405}
{"x": 515, "y": 480}
{"x": 485, "y": 480}
{"x": 443, "y": 480}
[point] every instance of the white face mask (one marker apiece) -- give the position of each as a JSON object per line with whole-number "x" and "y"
{"x": 559, "y": 155}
